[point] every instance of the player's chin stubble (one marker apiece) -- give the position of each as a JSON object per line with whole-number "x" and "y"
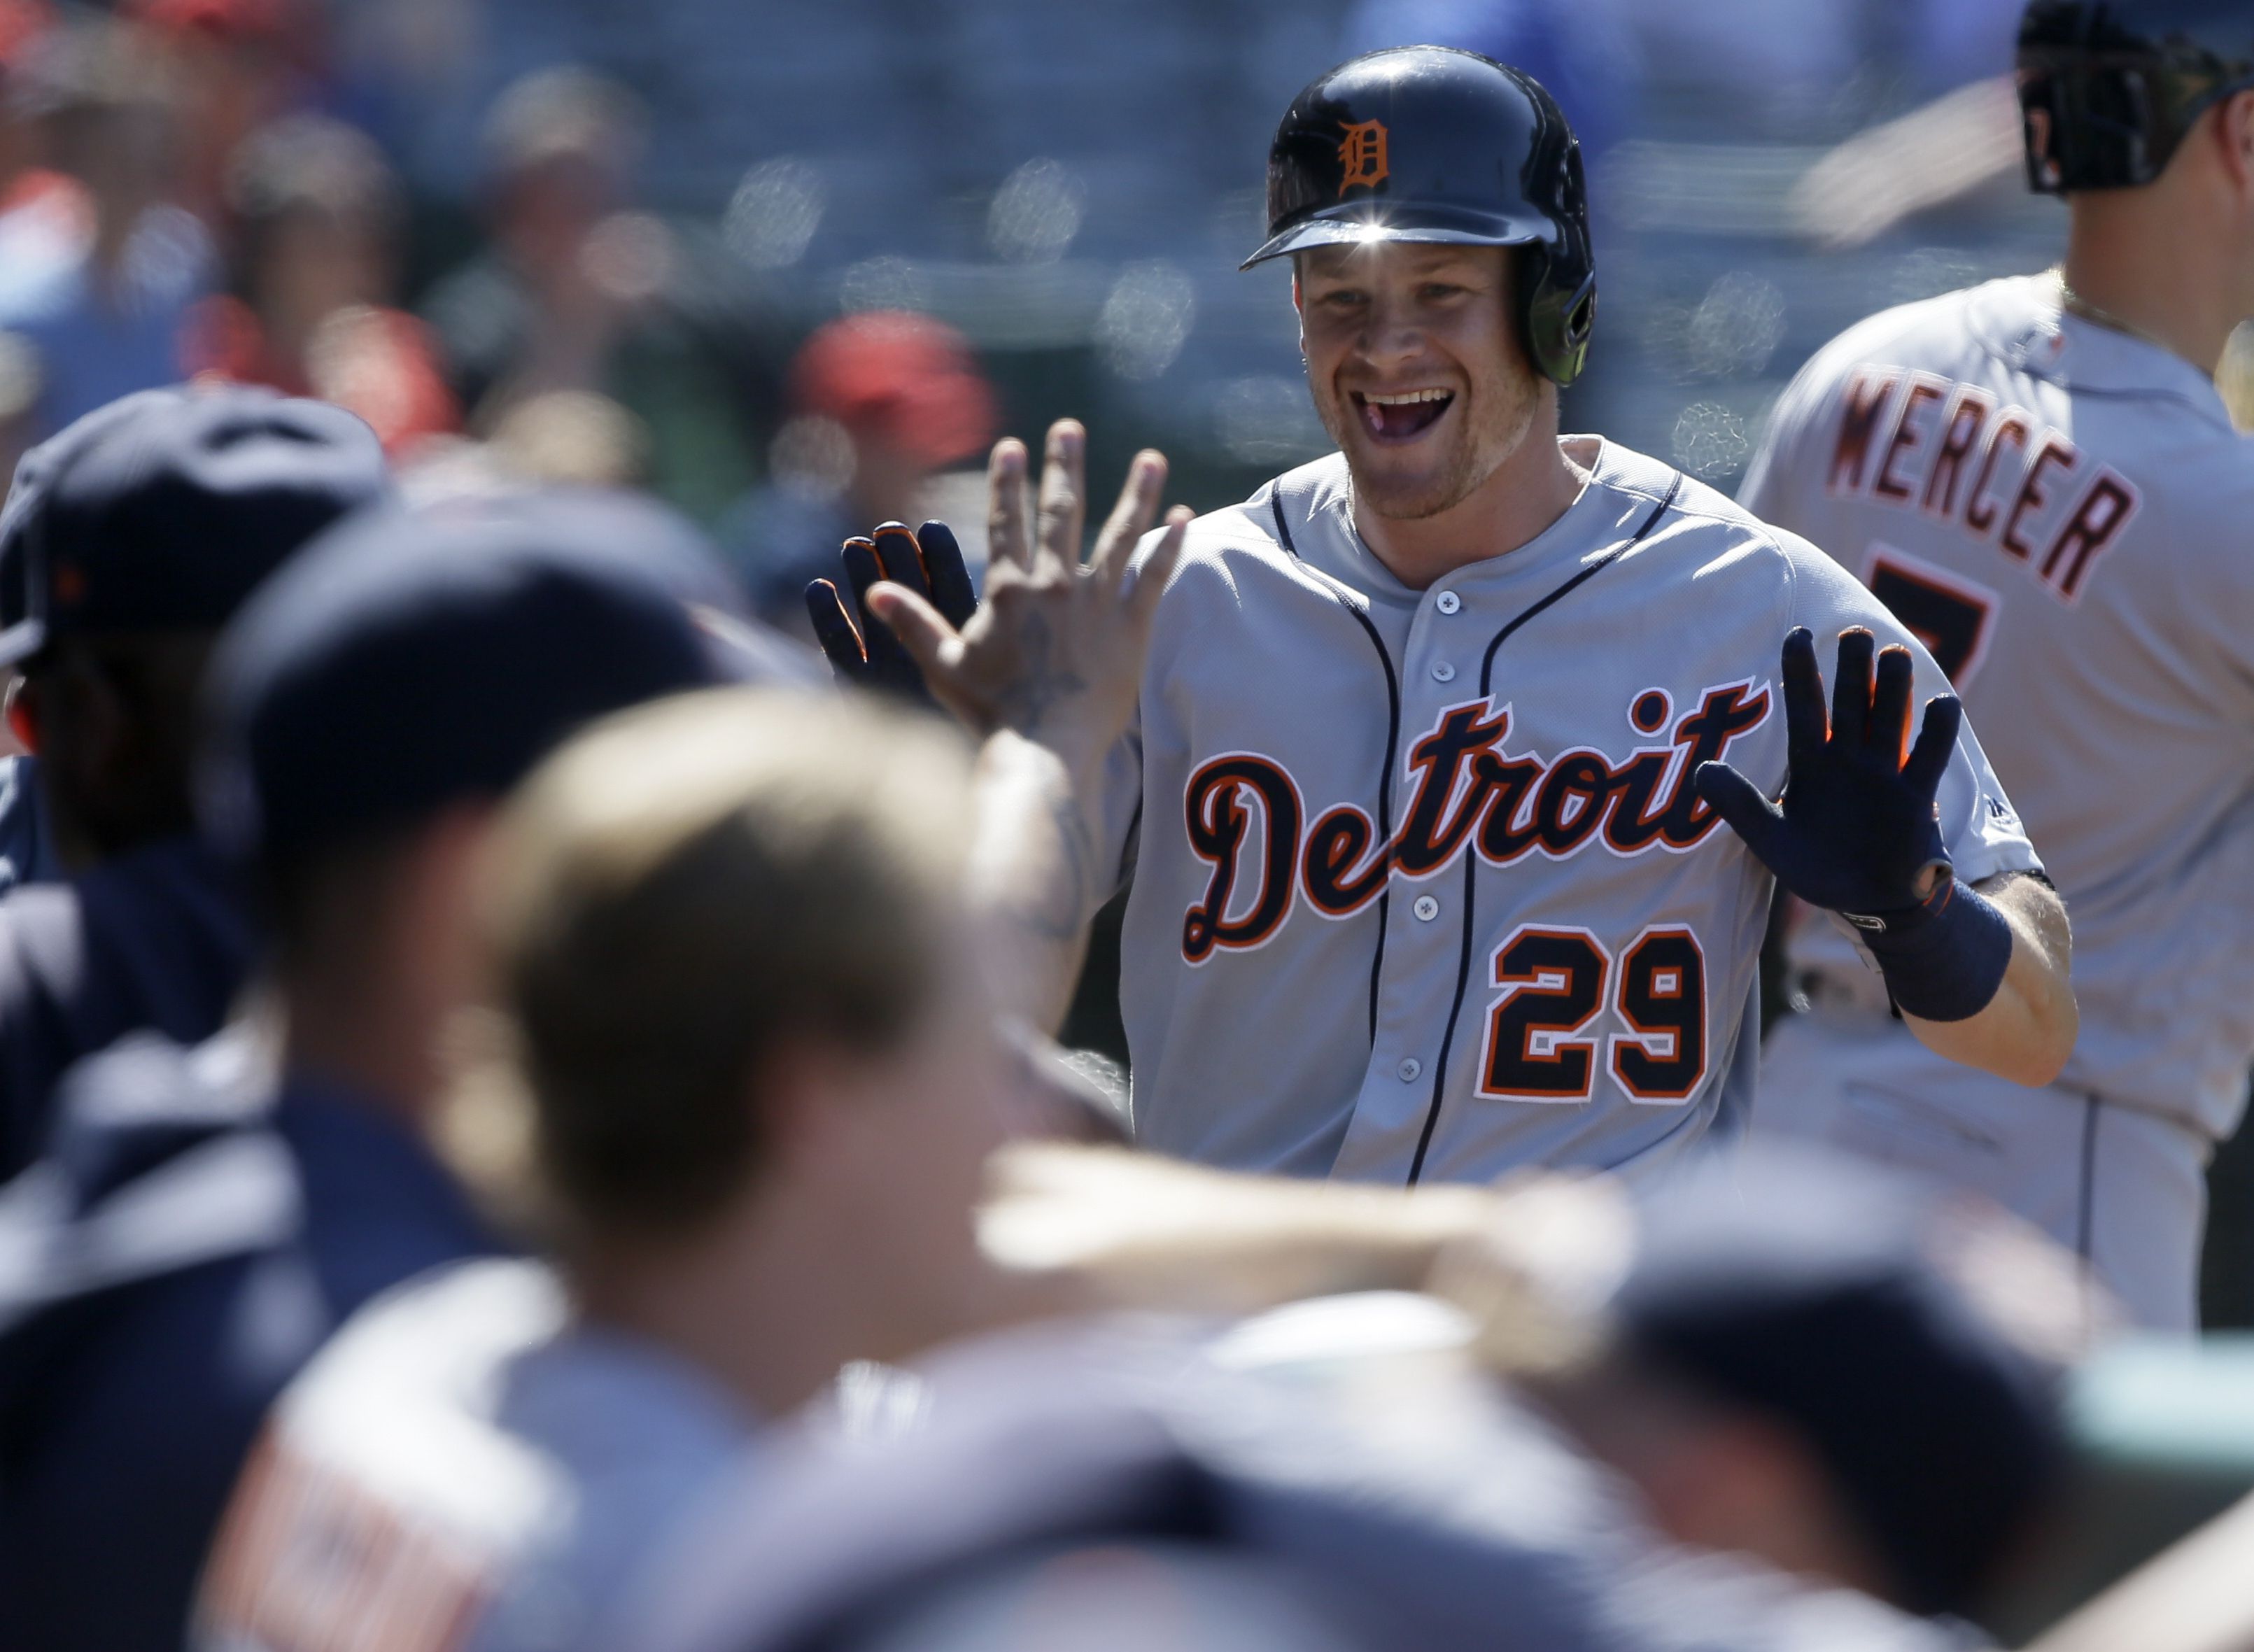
{"x": 1489, "y": 424}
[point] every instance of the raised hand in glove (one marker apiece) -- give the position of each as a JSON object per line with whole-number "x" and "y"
{"x": 861, "y": 647}
{"x": 1856, "y": 832}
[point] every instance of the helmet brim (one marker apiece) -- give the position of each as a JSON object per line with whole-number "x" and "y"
{"x": 1364, "y": 222}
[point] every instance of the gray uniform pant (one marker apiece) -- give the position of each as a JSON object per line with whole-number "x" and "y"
{"x": 2124, "y": 1189}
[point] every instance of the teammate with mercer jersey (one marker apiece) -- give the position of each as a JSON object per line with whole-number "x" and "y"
{"x": 2054, "y": 499}
{"x": 1424, "y": 804}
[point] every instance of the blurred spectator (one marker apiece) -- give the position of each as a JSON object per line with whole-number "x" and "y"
{"x": 571, "y": 438}
{"x": 23, "y": 26}
{"x": 318, "y": 213}
{"x": 410, "y": 72}
{"x": 207, "y": 1215}
{"x": 881, "y": 403}
{"x": 579, "y": 293}
{"x": 239, "y": 66}
{"x": 100, "y": 314}
{"x": 137, "y": 532}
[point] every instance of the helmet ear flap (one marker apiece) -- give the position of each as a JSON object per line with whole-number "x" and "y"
{"x": 1558, "y": 318}
{"x": 1559, "y": 308}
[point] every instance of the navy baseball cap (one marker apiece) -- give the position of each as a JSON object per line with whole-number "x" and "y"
{"x": 164, "y": 510}
{"x": 1864, "y": 1312}
{"x": 415, "y": 659}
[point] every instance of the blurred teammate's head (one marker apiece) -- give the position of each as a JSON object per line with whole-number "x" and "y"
{"x": 751, "y": 1028}
{"x": 374, "y": 705}
{"x": 129, "y": 540}
{"x": 1848, "y": 1378}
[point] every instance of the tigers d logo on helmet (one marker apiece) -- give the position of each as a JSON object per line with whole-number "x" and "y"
{"x": 1361, "y": 156}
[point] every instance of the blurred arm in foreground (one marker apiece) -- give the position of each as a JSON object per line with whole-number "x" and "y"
{"x": 2193, "y": 1598}
{"x": 1961, "y": 141}
{"x": 1380, "y": 1470}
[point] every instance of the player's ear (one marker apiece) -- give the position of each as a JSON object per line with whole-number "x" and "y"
{"x": 21, "y": 710}
{"x": 2234, "y": 119}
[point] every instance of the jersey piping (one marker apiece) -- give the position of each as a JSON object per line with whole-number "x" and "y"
{"x": 1392, "y": 742}
{"x": 1471, "y": 862}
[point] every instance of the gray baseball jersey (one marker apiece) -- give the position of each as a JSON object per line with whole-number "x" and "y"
{"x": 2061, "y": 511}
{"x": 1421, "y": 888}
{"x": 466, "y": 1467}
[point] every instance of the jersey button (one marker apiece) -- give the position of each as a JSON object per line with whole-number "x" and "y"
{"x": 1444, "y": 672}
{"x": 1410, "y": 1068}
{"x": 1447, "y": 602}
{"x": 1426, "y": 908}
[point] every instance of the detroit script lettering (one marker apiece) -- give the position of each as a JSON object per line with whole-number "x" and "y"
{"x": 1247, "y": 821}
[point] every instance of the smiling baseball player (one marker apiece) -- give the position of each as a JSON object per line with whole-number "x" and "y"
{"x": 1423, "y": 808}
{"x": 2039, "y": 476}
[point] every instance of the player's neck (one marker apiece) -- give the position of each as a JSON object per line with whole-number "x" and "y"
{"x": 782, "y": 1289}
{"x": 2127, "y": 266}
{"x": 382, "y": 1045}
{"x": 1528, "y": 492}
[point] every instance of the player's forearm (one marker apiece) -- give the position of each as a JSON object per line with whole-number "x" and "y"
{"x": 1034, "y": 876}
{"x": 2028, "y": 1030}
{"x": 1134, "y": 1230}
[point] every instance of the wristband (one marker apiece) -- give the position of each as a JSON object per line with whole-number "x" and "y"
{"x": 1945, "y": 958}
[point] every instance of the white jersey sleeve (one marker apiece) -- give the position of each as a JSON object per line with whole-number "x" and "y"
{"x": 465, "y": 1468}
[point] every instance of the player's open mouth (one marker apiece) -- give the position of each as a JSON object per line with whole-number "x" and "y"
{"x": 1401, "y": 415}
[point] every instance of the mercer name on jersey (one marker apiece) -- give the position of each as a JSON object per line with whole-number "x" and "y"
{"x": 1951, "y": 452}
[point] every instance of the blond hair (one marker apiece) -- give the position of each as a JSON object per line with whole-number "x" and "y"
{"x": 684, "y": 889}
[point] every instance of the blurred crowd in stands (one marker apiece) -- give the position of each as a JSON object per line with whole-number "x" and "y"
{"x": 563, "y": 238}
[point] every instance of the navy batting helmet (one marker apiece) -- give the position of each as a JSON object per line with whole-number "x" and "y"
{"x": 1428, "y": 143}
{"x": 2107, "y": 88}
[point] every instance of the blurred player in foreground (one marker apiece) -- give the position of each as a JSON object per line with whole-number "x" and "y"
{"x": 206, "y": 1216}
{"x": 130, "y": 540}
{"x": 2039, "y": 477}
{"x": 1850, "y": 1376}
{"x": 1422, "y": 800}
{"x": 748, "y": 1009}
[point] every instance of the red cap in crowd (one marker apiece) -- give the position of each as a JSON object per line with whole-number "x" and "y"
{"x": 904, "y": 377}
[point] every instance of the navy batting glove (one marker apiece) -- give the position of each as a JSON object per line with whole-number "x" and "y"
{"x": 1857, "y": 829}
{"x": 861, "y": 648}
